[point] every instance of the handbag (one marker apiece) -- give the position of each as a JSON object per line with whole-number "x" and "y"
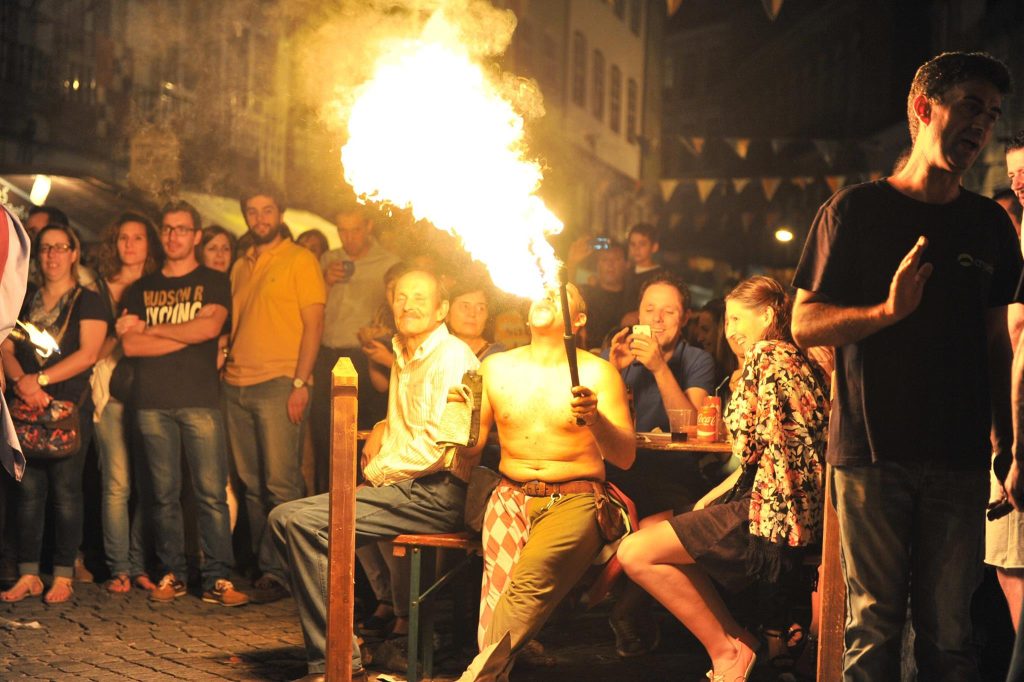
{"x": 52, "y": 432}
{"x": 609, "y": 515}
{"x": 47, "y": 433}
{"x": 122, "y": 380}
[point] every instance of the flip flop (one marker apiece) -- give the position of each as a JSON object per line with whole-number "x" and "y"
{"x": 34, "y": 590}
{"x": 119, "y": 584}
{"x": 59, "y": 583}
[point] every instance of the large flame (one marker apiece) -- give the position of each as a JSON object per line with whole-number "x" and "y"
{"x": 431, "y": 132}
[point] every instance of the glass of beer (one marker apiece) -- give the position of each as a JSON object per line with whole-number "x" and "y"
{"x": 681, "y": 422}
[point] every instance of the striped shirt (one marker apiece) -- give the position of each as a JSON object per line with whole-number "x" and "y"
{"x": 417, "y": 396}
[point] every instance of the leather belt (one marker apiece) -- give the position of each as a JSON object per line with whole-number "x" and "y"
{"x": 544, "y": 489}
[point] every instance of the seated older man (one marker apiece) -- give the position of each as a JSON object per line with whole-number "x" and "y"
{"x": 540, "y": 528}
{"x": 409, "y": 489}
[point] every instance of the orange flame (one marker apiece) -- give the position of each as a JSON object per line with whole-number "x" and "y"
{"x": 432, "y": 132}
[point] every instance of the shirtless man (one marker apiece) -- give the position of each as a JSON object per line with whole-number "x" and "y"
{"x": 540, "y": 531}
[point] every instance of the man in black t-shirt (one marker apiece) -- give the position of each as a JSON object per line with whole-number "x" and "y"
{"x": 909, "y": 277}
{"x": 172, "y": 320}
{"x": 607, "y": 300}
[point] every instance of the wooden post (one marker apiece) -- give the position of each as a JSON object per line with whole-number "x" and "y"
{"x": 831, "y": 595}
{"x": 342, "y": 537}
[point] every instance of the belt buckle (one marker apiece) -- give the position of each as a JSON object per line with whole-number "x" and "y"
{"x": 535, "y": 488}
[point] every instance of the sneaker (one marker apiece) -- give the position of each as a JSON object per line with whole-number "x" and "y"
{"x": 267, "y": 589}
{"x": 169, "y": 589}
{"x": 225, "y": 594}
{"x": 633, "y": 638}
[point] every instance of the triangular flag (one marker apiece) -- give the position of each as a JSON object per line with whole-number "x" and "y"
{"x": 740, "y": 184}
{"x": 740, "y": 145}
{"x": 694, "y": 145}
{"x": 777, "y": 144}
{"x": 835, "y": 181}
{"x": 674, "y": 220}
{"x": 747, "y": 217}
{"x": 668, "y": 188}
{"x": 799, "y": 182}
{"x": 704, "y": 188}
{"x": 827, "y": 149}
{"x": 772, "y": 8}
{"x": 770, "y": 186}
{"x": 875, "y": 175}
{"x": 673, "y": 6}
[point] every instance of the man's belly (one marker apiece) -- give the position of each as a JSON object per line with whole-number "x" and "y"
{"x": 549, "y": 470}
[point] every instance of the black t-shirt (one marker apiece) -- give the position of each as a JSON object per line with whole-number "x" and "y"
{"x": 89, "y": 306}
{"x": 186, "y": 377}
{"x": 604, "y": 311}
{"x": 919, "y": 389}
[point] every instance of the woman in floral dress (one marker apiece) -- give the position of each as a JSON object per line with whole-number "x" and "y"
{"x": 754, "y": 526}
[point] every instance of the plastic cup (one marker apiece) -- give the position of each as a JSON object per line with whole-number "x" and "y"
{"x": 682, "y": 422}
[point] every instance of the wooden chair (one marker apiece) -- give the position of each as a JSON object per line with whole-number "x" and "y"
{"x": 421, "y": 615}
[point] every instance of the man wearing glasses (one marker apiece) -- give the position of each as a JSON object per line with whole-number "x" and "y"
{"x": 171, "y": 322}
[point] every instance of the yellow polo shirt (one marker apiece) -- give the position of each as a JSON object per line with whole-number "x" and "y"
{"x": 267, "y": 295}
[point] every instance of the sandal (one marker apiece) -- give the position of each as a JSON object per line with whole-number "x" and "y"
{"x": 60, "y": 591}
{"x": 143, "y": 582}
{"x": 27, "y": 586}
{"x": 119, "y": 584}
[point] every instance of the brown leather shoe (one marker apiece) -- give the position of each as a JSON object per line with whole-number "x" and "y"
{"x": 225, "y": 594}
{"x": 169, "y": 589}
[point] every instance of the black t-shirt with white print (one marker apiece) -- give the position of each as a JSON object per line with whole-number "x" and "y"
{"x": 186, "y": 377}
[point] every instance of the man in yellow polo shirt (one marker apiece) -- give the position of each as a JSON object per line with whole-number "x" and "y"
{"x": 277, "y": 296}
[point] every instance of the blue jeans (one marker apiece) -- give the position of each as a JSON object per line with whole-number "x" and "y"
{"x": 916, "y": 529}
{"x": 60, "y": 481}
{"x": 267, "y": 448}
{"x": 432, "y": 504}
{"x": 122, "y": 538}
{"x": 201, "y": 431}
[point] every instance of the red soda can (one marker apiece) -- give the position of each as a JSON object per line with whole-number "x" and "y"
{"x": 707, "y": 419}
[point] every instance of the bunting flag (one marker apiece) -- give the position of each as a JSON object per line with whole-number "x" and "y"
{"x": 802, "y": 182}
{"x": 827, "y": 149}
{"x": 835, "y": 182}
{"x": 704, "y": 188}
{"x": 770, "y": 187}
{"x": 694, "y": 145}
{"x": 740, "y": 184}
{"x": 673, "y": 6}
{"x": 772, "y": 8}
{"x": 668, "y": 188}
{"x": 778, "y": 143}
{"x": 747, "y": 218}
{"x": 740, "y": 145}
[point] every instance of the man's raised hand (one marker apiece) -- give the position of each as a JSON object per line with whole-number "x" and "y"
{"x": 907, "y": 286}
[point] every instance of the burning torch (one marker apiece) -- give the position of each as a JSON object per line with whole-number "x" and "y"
{"x": 44, "y": 344}
{"x": 567, "y": 336}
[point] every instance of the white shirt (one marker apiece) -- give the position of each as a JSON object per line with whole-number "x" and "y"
{"x": 417, "y": 395}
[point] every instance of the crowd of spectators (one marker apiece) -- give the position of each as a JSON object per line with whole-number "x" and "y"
{"x": 196, "y": 362}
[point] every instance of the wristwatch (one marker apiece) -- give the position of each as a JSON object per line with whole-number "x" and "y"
{"x": 42, "y": 379}
{"x": 298, "y": 383}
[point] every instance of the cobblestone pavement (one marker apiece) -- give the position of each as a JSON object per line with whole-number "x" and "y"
{"x": 99, "y": 636}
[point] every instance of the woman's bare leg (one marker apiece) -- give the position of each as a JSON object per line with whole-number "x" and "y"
{"x": 1012, "y": 582}
{"x": 656, "y": 560}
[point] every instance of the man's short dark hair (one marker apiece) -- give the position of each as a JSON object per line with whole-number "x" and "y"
{"x": 54, "y": 216}
{"x": 670, "y": 278}
{"x": 1016, "y": 142}
{"x": 274, "y": 193}
{"x": 936, "y": 76}
{"x": 645, "y": 229}
{"x": 182, "y": 206}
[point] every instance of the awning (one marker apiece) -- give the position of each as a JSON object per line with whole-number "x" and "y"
{"x": 91, "y": 205}
{"x": 226, "y": 213}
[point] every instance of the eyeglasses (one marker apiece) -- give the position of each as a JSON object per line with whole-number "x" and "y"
{"x": 59, "y": 248}
{"x": 176, "y": 230}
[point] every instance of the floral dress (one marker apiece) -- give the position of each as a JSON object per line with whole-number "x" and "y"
{"x": 778, "y": 418}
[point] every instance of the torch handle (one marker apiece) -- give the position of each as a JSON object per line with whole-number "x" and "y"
{"x": 569, "y": 339}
